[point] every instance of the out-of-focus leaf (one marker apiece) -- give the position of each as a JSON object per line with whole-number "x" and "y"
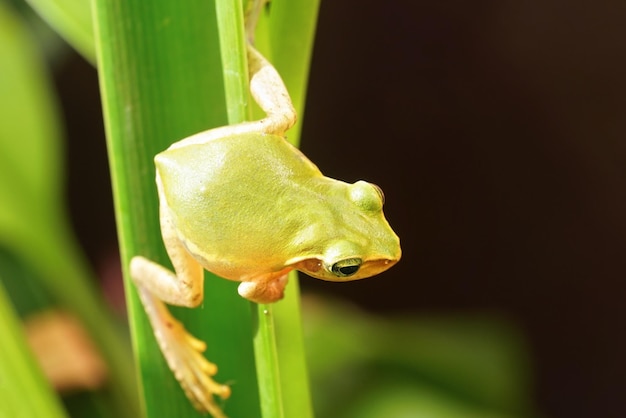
{"x": 23, "y": 389}
{"x": 30, "y": 143}
{"x": 72, "y": 20}
{"x": 35, "y": 236}
{"x": 476, "y": 364}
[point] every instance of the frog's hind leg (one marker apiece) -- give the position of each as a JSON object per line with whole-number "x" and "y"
{"x": 182, "y": 351}
{"x": 183, "y": 288}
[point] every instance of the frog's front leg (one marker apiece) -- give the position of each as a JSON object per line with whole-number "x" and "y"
{"x": 269, "y": 91}
{"x": 182, "y": 351}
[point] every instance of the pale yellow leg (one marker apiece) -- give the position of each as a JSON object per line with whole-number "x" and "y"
{"x": 181, "y": 350}
{"x": 185, "y": 288}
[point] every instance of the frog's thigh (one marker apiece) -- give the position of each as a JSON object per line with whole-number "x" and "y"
{"x": 183, "y": 288}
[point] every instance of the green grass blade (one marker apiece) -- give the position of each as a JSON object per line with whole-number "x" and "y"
{"x": 268, "y": 367}
{"x": 286, "y": 39}
{"x": 233, "y": 44}
{"x": 234, "y": 67}
{"x": 23, "y": 389}
{"x": 279, "y": 347}
{"x": 161, "y": 80}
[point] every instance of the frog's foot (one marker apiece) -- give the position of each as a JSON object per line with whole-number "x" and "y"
{"x": 183, "y": 353}
{"x": 265, "y": 289}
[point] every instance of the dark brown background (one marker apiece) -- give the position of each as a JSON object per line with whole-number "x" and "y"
{"x": 497, "y": 130}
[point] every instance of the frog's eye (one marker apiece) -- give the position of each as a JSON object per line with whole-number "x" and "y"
{"x": 379, "y": 191}
{"x": 345, "y": 268}
{"x": 367, "y": 196}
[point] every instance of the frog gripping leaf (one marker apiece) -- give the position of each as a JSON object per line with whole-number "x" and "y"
{"x": 243, "y": 203}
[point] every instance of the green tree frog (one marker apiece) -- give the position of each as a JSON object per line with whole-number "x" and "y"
{"x": 243, "y": 203}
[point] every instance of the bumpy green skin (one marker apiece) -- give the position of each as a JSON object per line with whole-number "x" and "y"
{"x": 250, "y": 204}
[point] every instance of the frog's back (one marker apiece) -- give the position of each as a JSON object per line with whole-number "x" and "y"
{"x": 229, "y": 192}
{"x": 247, "y": 158}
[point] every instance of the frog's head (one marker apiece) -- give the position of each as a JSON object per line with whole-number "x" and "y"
{"x": 366, "y": 244}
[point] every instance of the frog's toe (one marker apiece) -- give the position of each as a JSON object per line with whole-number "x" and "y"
{"x": 203, "y": 391}
{"x": 183, "y": 353}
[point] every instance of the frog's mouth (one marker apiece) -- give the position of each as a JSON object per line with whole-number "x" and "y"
{"x": 352, "y": 268}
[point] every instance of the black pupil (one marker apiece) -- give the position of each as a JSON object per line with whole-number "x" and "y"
{"x": 347, "y": 267}
{"x": 348, "y": 270}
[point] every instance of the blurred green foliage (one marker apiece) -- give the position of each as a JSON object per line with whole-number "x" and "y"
{"x": 366, "y": 366}
{"x": 20, "y": 377}
{"x": 41, "y": 263}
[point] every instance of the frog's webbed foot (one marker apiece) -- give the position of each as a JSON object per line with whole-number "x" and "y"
{"x": 265, "y": 289}
{"x": 183, "y": 353}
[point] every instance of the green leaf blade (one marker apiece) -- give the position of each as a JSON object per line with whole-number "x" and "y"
{"x": 161, "y": 79}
